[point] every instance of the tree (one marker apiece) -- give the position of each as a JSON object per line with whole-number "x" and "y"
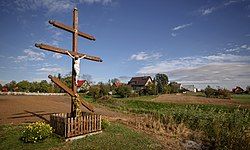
{"x": 23, "y": 86}
{"x": 161, "y": 81}
{"x": 150, "y": 89}
{"x": 247, "y": 90}
{"x": 210, "y": 92}
{"x": 94, "y": 91}
{"x": 124, "y": 91}
{"x": 104, "y": 89}
{"x": 1, "y": 87}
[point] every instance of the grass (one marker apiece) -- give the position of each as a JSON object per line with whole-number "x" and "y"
{"x": 115, "y": 136}
{"x": 243, "y": 98}
{"x": 10, "y": 140}
{"x": 225, "y": 127}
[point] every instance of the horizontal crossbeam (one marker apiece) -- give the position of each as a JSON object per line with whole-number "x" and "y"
{"x": 64, "y": 51}
{"x": 71, "y": 93}
{"x": 70, "y": 29}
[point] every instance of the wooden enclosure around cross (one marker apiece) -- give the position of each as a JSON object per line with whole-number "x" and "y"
{"x": 75, "y": 99}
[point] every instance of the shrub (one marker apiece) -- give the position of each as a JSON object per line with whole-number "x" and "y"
{"x": 35, "y": 132}
{"x": 94, "y": 91}
{"x": 220, "y": 93}
{"x": 105, "y": 123}
{"x": 124, "y": 91}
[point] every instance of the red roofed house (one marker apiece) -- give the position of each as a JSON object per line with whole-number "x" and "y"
{"x": 117, "y": 84}
{"x": 138, "y": 83}
{"x": 82, "y": 85}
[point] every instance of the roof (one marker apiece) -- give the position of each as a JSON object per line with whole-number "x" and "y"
{"x": 139, "y": 81}
{"x": 117, "y": 84}
{"x": 80, "y": 83}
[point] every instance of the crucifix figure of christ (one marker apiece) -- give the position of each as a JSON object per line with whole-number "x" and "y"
{"x": 77, "y": 61}
{"x": 76, "y": 57}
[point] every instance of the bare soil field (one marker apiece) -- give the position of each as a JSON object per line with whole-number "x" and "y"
{"x": 187, "y": 99}
{"x": 22, "y": 109}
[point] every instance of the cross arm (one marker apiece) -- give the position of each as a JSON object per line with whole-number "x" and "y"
{"x": 70, "y": 29}
{"x": 64, "y": 51}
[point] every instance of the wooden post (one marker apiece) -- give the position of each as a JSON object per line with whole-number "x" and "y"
{"x": 74, "y": 49}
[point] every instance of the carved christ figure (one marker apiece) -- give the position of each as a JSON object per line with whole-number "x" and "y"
{"x": 76, "y": 64}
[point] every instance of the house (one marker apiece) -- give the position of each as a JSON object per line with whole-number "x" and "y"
{"x": 138, "y": 83}
{"x": 237, "y": 90}
{"x": 4, "y": 89}
{"x": 188, "y": 87}
{"x": 82, "y": 85}
{"x": 117, "y": 84}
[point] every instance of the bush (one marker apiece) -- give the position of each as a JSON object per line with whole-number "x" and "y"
{"x": 124, "y": 91}
{"x": 220, "y": 93}
{"x": 94, "y": 91}
{"x": 105, "y": 123}
{"x": 35, "y": 132}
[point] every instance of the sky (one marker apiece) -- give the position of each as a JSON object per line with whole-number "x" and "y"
{"x": 200, "y": 42}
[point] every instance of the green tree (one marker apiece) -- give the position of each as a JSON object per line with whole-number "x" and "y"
{"x": 124, "y": 91}
{"x": 1, "y": 87}
{"x": 150, "y": 89}
{"x": 104, "y": 89}
{"x": 23, "y": 86}
{"x": 161, "y": 81}
{"x": 94, "y": 91}
{"x": 210, "y": 92}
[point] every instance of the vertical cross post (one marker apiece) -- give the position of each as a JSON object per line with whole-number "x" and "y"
{"x": 74, "y": 49}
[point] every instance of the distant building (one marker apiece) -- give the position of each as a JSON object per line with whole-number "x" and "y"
{"x": 117, "y": 84}
{"x": 188, "y": 87}
{"x": 82, "y": 85}
{"x": 237, "y": 90}
{"x": 138, "y": 83}
{"x": 4, "y": 89}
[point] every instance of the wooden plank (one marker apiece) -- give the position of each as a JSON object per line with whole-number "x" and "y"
{"x": 86, "y": 104}
{"x": 62, "y": 85}
{"x": 64, "y": 51}
{"x": 70, "y": 29}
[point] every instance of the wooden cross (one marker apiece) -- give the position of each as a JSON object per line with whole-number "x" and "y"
{"x": 74, "y": 30}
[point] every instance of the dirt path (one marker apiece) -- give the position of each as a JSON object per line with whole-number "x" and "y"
{"x": 21, "y": 109}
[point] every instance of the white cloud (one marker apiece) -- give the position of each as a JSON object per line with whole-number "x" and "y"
{"x": 173, "y": 34}
{"x": 223, "y": 69}
{"x": 55, "y": 5}
{"x": 207, "y": 11}
{"x": 145, "y": 56}
{"x": 49, "y": 5}
{"x": 229, "y": 2}
{"x": 30, "y": 55}
{"x": 57, "y": 56}
{"x": 50, "y": 69}
{"x": 104, "y": 2}
{"x": 181, "y": 26}
{"x": 192, "y": 62}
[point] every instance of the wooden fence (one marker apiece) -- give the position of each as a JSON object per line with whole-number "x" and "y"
{"x": 68, "y": 126}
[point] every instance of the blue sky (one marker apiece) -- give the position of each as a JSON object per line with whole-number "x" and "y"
{"x": 200, "y": 42}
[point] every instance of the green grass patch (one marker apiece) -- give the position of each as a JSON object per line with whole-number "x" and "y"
{"x": 10, "y": 140}
{"x": 243, "y": 98}
{"x": 115, "y": 136}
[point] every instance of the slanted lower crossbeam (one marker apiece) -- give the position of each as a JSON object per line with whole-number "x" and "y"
{"x": 71, "y": 93}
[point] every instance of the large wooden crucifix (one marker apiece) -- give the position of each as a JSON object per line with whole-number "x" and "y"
{"x": 75, "y": 99}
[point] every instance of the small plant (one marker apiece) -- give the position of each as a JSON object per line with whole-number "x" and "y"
{"x": 105, "y": 123}
{"x": 35, "y": 132}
